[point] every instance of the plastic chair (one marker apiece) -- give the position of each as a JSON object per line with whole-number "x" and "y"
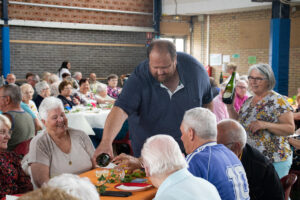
{"x": 287, "y": 183}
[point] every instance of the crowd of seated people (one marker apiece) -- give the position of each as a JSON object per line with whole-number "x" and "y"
{"x": 220, "y": 156}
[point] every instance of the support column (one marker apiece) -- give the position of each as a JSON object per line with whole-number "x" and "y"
{"x": 280, "y": 45}
{"x": 156, "y": 17}
{"x": 5, "y": 40}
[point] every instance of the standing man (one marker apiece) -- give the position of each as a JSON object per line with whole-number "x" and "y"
{"x": 156, "y": 96}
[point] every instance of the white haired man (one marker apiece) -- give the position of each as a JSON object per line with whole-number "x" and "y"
{"x": 166, "y": 167}
{"x": 263, "y": 180}
{"x": 209, "y": 160}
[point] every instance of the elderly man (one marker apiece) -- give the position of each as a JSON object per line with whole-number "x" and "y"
{"x": 166, "y": 167}
{"x": 23, "y": 125}
{"x": 240, "y": 94}
{"x": 156, "y": 95}
{"x": 209, "y": 160}
{"x": 263, "y": 180}
{"x": 94, "y": 83}
{"x": 10, "y": 78}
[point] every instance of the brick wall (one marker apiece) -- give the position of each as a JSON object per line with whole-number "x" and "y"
{"x": 32, "y": 51}
{"x": 225, "y": 38}
{"x": 102, "y": 60}
{"x": 26, "y": 12}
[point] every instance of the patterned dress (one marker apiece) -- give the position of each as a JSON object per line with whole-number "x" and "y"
{"x": 12, "y": 178}
{"x": 269, "y": 109}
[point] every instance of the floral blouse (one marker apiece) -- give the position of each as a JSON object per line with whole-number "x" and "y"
{"x": 269, "y": 109}
{"x": 13, "y": 180}
{"x": 113, "y": 92}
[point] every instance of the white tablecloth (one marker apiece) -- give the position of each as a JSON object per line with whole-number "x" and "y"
{"x": 87, "y": 120}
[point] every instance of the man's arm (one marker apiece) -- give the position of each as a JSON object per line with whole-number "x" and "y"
{"x": 113, "y": 125}
{"x": 297, "y": 116}
{"x": 209, "y": 106}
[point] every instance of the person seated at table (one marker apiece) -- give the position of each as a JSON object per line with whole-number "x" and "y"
{"x": 54, "y": 83}
{"x": 13, "y": 180}
{"x": 58, "y": 149}
{"x": 101, "y": 94}
{"x": 167, "y": 169}
{"x": 23, "y": 128}
{"x": 86, "y": 96}
{"x": 10, "y": 78}
{"x": 47, "y": 193}
{"x": 113, "y": 90}
{"x": 240, "y": 94}
{"x": 65, "y": 90}
{"x": 43, "y": 91}
{"x": 27, "y": 94}
{"x": 81, "y": 188}
{"x": 263, "y": 180}
{"x": 93, "y": 82}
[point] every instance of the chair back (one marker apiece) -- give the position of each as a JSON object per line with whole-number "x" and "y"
{"x": 287, "y": 183}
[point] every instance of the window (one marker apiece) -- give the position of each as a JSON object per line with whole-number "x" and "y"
{"x": 179, "y": 42}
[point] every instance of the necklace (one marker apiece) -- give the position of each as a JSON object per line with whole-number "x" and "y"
{"x": 68, "y": 157}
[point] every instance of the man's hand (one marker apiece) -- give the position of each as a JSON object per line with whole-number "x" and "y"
{"x": 127, "y": 162}
{"x": 102, "y": 148}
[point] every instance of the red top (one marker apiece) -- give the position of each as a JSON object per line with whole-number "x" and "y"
{"x": 13, "y": 179}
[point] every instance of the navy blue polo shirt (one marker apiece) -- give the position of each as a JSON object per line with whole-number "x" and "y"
{"x": 149, "y": 107}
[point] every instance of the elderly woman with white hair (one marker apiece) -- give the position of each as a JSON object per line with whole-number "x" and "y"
{"x": 81, "y": 188}
{"x": 101, "y": 94}
{"x": 43, "y": 91}
{"x": 267, "y": 118}
{"x": 27, "y": 94}
{"x": 58, "y": 149}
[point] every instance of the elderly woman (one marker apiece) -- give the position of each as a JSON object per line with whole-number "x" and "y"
{"x": 58, "y": 149}
{"x": 65, "y": 90}
{"x": 101, "y": 94}
{"x": 240, "y": 94}
{"x": 112, "y": 89}
{"x": 86, "y": 96}
{"x": 43, "y": 91}
{"x": 12, "y": 178}
{"x": 27, "y": 94}
{"x": 268, "y": 119}
{"x": 53, "y": 83}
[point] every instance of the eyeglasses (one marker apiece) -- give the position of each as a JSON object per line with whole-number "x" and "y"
{"x": 5, "y": 132}
{"x": 258, "y": 79}
{"x": 241, "y": 87}
{"x": 3, "y": 96}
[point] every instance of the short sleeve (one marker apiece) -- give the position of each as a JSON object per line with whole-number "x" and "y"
{"x": 130, "y": 97}
{"x": 88, "y": 146}
{"x": 39, "y": 151}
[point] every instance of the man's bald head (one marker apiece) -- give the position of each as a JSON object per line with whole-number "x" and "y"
{"x": 232, "y": 135}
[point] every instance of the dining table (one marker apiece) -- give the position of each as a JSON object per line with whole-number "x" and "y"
{"x": 87, "y": 118}
{"x": 147, "y": 194}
